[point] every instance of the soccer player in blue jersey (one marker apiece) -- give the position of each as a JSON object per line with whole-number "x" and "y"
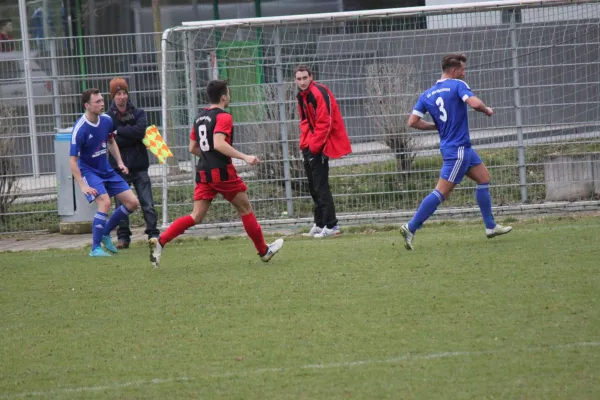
{"x": 446, "y": 102}
{"x": 93, "y": 135}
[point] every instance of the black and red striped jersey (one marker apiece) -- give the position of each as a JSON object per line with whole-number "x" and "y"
{"x": 213, "y": 166}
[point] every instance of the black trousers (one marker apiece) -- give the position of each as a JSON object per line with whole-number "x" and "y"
{"x": 317, "y": 171}
{"x": 143, "y": 187}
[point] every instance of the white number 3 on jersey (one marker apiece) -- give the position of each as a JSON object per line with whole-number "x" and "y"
{"x": 440, "y": 103}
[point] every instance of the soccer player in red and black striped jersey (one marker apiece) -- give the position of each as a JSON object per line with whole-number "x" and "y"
{"x": 211, "y": 140}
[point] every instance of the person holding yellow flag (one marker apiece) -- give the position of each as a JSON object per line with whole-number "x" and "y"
{"x": 130, "y": 125}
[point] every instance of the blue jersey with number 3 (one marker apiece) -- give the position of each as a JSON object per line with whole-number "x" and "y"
{"x": 445, "y": 102}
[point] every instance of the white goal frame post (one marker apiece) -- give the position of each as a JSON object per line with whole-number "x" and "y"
{"x": 435, "y": 16}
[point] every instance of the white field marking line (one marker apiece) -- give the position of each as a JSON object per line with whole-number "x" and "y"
{"x": 406, "y": 357}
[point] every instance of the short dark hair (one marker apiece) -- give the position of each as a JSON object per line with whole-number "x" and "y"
{"x": 3, "y": 22}
{"x": 453, "y": 61}
{"x": 87, "y": 95}
{"x": 215, "y": 90}
{"x": 303, "y": 68}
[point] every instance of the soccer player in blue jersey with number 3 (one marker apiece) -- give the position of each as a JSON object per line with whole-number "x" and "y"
{"x": 446, "y": 102}
{"x": 93, "y": 136}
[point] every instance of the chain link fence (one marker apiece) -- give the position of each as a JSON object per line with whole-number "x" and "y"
{"x": 537, "y": 65}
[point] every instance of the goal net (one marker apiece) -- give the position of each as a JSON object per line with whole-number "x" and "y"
{"x": 536, "y": 64}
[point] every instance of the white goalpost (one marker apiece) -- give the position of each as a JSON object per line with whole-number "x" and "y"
{"x": 536, "y": 63}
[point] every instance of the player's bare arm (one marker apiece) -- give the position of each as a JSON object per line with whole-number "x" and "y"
{"x": 85, "y": 189}
{"x": 476, "y": 104}
{"x": 114, "y": 150}
{"x": 414, "y": 121}
{"x": 194, "y": 148}
{"x": 225, "y": 148}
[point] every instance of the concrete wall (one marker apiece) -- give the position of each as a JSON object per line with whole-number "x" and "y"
{"x": 572, "y": 177}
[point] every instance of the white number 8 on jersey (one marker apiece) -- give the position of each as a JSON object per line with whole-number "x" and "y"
{"x": 440, "y": 103}
{"x": 204, "y": 146}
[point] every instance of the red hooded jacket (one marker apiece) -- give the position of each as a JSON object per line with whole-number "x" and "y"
{"x": 321, "y": 125}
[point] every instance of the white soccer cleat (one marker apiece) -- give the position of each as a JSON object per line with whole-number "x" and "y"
{"x": 408, "y": 237}
{"x": 497, "y": 231}
{"x": 326, "y": 232}
{"x": 155, "y": 251}
{"x": 313, "y": 231}
{"x": 272, "y": 249}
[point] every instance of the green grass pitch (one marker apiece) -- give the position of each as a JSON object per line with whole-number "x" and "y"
{"x": 356, "y": 317}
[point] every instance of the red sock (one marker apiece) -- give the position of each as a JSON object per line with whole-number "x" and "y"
{"x": 176, "y": 228}
{"x": 254, "y": 230}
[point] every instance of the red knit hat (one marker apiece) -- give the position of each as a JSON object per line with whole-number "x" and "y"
{"x": 118, "y": 84}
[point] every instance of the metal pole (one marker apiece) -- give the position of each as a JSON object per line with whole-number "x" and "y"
{"x": 216, "y": 16}
{"x": 29, "y": 89}
{"x": 164, "y": 114}
{"x": 55, "y": 84}
{"x": 518, "y": 115}
{"x": 195, "y": 10}
{"x": 193, "y": 82}
{"x": 186, "y": 65}
{"x": 45, "y": 25}
{"x": 92, "y": 22}
{"x": 69, "y": 31}
{"x": 82, "y": 69}
{"x": 48, "y": 38}
{"x": 137, "y": 23}
{"x": 259, "y": 32}
{"x": 282, "y": 118}
{"x": 190, "y": 80}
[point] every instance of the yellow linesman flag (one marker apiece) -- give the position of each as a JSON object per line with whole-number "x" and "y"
{"x": 155, "y": 143}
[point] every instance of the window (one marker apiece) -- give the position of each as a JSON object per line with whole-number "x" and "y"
{"x": 10, "y": 69}
{"x": 507, "y": 15}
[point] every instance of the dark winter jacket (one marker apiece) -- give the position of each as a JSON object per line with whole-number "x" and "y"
{"x": 131, "y": 129}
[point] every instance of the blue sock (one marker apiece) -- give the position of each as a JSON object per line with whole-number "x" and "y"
{"x": 120, "y": 214}
{"x": 427, "y": 207}
{"x": 482, "y": 194}
{"x": 98, "y": 228}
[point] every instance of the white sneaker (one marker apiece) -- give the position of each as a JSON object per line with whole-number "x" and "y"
{"x": 313, "y": 231}
{"x": 408, "y": 237}
{"x": 497, "y": 231}
{"x": 326, "y": 232}
{"x": 272, "y": 249}
{"x": 155, "y": 251}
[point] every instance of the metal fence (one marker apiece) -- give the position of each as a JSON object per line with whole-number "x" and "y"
{"x": 39, "y": 96}
{"x": 536, "y": 64}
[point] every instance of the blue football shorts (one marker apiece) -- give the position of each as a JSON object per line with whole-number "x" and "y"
{"x": 111, "y": 184}
{"x": 457, "y": 161}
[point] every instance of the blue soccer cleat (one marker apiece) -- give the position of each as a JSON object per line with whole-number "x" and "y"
{"x": 98, "y": 252}
{"x": 108, "y": 244}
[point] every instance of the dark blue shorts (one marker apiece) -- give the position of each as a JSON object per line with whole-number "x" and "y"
{"x": 112, "y": 185}
{"x": 457, "y": 161}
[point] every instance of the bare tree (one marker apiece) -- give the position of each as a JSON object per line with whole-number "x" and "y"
{"x": 391, "y": 93}
{"x": 266, "y": 132}
{"x": 95, "y": 8}
{"x": 8, "y": 165}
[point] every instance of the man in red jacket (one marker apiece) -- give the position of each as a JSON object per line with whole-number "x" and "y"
{"x": 322, "y": 136}
{"x": 6, "y": 41}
